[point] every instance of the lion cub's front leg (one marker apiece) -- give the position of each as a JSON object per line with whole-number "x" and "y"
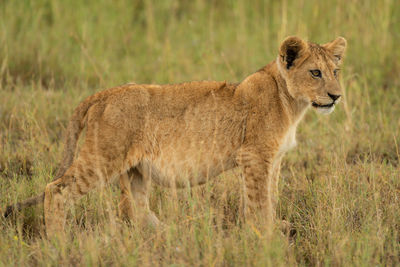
{"x": 259, "y": 187}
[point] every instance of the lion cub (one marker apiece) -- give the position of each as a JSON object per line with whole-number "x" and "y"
{"x": 185, "y": 134}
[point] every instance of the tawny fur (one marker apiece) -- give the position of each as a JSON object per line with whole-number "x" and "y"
{"x": 185, "y": 134}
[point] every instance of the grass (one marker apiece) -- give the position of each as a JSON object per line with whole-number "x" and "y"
{"x": 340, "y": 187}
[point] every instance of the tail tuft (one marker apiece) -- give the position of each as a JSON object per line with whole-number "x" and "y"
{"x": 10, "y": 210}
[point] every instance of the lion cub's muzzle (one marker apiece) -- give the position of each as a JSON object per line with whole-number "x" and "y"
{"x": 327, "y": 108}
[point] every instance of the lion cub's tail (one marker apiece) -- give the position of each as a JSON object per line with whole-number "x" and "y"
{"x": 75, "y": 127}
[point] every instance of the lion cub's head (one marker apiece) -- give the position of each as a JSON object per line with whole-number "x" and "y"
{"x": 312, "y": 71}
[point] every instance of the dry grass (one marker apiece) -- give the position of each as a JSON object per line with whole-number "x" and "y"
{"x": 340, "y": 187}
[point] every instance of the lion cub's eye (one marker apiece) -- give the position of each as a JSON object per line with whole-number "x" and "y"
{"x": 316, "y": 73}
{"x": 336, "y": 72}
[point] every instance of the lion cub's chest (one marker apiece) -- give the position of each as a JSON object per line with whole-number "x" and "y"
{"x": 289, "y": 141}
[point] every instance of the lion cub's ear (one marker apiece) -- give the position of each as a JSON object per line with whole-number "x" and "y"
{"x": 337, "y": 47}
{"x": 291, "y": 49}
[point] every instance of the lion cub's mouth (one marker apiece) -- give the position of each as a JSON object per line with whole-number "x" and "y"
{"x": 316, "y": 105}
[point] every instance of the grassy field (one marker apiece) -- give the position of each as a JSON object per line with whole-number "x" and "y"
{"x": 340, "y": 187}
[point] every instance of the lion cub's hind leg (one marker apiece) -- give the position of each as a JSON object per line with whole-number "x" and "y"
{"x": 79, "y": 179}
{"x": 88, "y": 171}
{"x": 134, "y": 204}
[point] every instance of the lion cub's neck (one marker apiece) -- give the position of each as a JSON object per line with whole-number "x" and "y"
{"x": 265, "y": 93}
{"x": 296, "y": 108}
{"x": 267, "y": 89}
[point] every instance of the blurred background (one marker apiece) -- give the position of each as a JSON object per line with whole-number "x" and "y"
{"x": 340, "y": 187}
{"x": 103, "y": 43}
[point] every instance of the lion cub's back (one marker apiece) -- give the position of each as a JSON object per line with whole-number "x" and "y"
{"x": 189, "y": 129}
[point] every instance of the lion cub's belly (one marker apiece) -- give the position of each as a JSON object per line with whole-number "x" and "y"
{"x": 184, "y": 169}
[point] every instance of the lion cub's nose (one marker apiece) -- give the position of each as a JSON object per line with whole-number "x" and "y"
{"x": 334, "y": 97}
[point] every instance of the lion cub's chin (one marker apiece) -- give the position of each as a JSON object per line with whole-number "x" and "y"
{"x": 326, "y": 111}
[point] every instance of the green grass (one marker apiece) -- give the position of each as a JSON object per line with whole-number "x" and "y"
{"x": 340, "y": 187}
